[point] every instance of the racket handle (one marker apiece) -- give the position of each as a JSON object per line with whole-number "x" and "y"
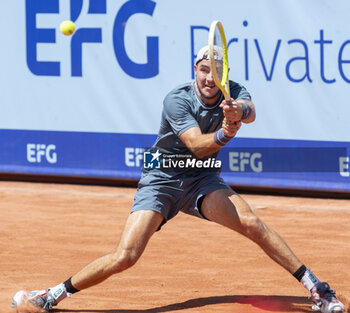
{"x": 229, "y": 101}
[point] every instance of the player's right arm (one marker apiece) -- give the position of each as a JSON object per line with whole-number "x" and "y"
{"x": 203, "y": 145}
{"x": 177, "y": 111}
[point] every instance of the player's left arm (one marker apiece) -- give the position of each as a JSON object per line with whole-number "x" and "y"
{"x": 248, "y": 111}
{"x": 242, "y": 108}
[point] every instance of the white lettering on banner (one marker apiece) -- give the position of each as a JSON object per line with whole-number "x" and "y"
{"x": 239, "y": 161}
{"x": 134, "y": 156}
{"x": 37, "y": 152}
{"x": 344, "y": 166}
{"x": 258, "y": 167}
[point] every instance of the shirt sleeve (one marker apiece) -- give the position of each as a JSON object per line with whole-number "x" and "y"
{"x": 178, "y": 113}
{"x": 239, "y": 92}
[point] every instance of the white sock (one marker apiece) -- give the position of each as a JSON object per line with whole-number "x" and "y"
{"x": 59, "y": 293}
{"x": 309, "y": 280}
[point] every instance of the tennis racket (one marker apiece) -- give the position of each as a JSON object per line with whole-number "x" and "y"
{"x": 217, "y": 42}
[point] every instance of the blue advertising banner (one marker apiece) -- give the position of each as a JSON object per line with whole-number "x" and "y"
{"x": 244, "y": 162}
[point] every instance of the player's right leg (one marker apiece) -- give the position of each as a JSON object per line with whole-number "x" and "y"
{"x": 139, "y": 228}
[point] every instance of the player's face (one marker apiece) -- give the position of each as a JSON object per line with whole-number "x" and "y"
{"x": 205, "y": 86}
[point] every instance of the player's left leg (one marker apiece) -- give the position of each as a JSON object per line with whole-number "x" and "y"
{"x": 227, "y": 208}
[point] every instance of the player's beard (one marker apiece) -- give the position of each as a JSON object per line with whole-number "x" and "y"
{"x": 203, "y": 96}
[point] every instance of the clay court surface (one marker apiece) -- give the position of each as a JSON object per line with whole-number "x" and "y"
{"x": 49, "y": 231}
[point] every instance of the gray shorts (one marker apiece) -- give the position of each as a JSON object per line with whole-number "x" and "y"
{"x": 169, "y": 196}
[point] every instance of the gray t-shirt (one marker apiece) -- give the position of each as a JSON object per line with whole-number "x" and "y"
{"x": 182, "y": 110}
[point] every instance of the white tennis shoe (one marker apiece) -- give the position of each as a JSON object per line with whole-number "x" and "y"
{"x": 39, "y": 298}
{"x": 325, "y": 300}
{"x": 44, "y": 299}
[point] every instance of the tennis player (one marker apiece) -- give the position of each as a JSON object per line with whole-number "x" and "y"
{"x": 196, "y": 123}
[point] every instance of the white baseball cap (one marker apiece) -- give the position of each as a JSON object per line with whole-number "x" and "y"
{"x": 203, "y": 54}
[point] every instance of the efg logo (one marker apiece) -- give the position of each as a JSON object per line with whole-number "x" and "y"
{"x": 83, "y": 35}
{"x": 245, "y": 161}
{"x": 344, "y": 166}
{"x": 36, "y": 153}
{"x": 133, "y": 156}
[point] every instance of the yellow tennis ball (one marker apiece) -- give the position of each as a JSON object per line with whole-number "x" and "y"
{"x": 67, "y": 28}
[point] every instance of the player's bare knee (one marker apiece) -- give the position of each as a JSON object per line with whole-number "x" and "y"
{"x": 254, "y": 228}
{"x": 123, "y": 259}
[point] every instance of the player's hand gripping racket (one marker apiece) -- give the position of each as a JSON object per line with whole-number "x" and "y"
{"x": 219, "y": 69}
